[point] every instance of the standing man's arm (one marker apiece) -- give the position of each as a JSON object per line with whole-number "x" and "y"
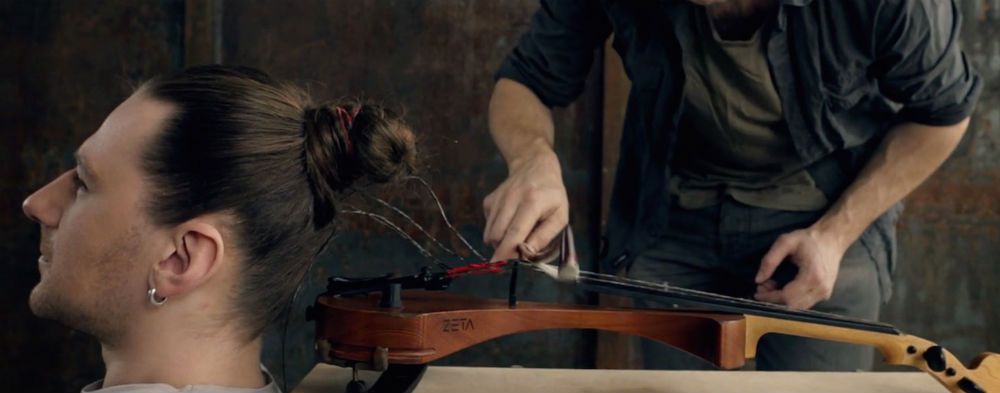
{"x": 907, "y": 156}
{"x": 548, "y": 68}
{"x": 921, "y": 66}
{"x": 531, "y": 205}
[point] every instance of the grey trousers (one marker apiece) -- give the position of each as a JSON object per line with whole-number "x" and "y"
{"x": 718, "y": 249}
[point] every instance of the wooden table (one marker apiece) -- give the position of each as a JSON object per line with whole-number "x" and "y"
{"x": 331, "y": 379}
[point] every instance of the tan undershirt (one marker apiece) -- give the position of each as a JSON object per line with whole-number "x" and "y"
{"x": 732, "y": 136}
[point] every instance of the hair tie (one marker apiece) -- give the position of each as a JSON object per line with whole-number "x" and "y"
{"x": 346, "y": 120}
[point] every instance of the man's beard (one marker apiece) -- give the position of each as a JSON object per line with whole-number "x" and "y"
{"x": 101, "y": 311}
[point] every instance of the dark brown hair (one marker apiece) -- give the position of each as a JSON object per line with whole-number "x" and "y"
{"x": 259, "y": 150}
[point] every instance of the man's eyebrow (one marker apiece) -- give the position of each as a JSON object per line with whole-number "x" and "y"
{"x": 81, "y": 164}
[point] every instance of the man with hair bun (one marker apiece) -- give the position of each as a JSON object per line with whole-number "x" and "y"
{"x": 191, "y": 216}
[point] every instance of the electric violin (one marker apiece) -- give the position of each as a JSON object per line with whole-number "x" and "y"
{"x": 400, "y": 324}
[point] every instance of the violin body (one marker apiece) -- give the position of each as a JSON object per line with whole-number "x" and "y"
{"x": 433, "y": 324}
{"x": 429, "y": 325}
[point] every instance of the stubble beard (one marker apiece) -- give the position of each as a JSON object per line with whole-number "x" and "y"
{"x": 102, "y": 311}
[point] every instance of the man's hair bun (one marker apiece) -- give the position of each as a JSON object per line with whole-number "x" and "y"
{"x": 351, "y": 142}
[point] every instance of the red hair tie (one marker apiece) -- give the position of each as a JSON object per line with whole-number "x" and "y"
{"x": 346, "y": 120}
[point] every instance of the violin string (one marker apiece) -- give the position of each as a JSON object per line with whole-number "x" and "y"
{"x": 414, "y": 223}
{"x": 715, "y": 300}
{"x": 399, "y": 231}
{"x": 444, "y": 216}
{"x": 664, "y": 286}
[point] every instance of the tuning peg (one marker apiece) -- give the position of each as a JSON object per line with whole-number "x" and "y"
{"x": 934, "y": 356}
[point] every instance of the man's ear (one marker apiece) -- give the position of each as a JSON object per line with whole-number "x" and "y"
{"x": 198, "y": 252}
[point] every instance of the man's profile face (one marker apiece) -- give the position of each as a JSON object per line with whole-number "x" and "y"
{"x": 97, "y": 247}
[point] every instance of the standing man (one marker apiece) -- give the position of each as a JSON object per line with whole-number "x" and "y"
{"x": 761, "y": 136}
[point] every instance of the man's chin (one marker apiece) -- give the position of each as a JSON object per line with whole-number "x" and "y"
{"x": 40, "y": 303}
{"x": 48, "y": 305}
{"x": 56, "y": 307}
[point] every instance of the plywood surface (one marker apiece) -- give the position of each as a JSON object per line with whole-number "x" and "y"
{"x": 325, "y": 378}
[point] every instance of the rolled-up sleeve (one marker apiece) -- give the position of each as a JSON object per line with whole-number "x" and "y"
{"x": 554, "y": 56}
{"x": 920, "y": 63}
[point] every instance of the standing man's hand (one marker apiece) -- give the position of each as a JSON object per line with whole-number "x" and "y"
{"x": 530, "y": 207}
{"x": 818, "y": 258}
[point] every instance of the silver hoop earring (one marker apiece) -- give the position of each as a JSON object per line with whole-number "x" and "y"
{"x": 152, "y": 298}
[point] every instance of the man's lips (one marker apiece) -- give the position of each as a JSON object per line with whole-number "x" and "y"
{"x": 45, "y": 250}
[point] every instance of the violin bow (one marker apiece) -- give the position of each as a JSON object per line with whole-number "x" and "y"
{"x": 897, "y": 348}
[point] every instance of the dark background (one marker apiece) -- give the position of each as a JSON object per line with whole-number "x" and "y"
{"x": 66, "y": 64}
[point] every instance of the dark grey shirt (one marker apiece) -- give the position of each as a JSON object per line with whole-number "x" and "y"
{"x": 846, "y": 71}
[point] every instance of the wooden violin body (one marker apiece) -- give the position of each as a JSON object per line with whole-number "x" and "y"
{"x": 432, "y": 324}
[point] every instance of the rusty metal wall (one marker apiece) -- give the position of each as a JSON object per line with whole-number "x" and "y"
{"x": 950, "y": 231}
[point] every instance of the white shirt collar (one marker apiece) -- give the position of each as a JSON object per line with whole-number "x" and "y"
{"x": 97, "y": 387}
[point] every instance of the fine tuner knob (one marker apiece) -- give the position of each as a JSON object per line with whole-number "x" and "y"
{"x": 934, "y": 356}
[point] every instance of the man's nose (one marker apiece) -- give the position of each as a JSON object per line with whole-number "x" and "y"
{"x": 46, "y": 205}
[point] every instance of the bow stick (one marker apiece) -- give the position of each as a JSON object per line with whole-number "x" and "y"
{"x": 897, "y": 348}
